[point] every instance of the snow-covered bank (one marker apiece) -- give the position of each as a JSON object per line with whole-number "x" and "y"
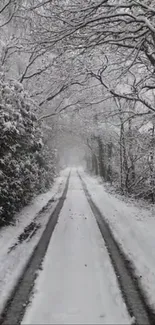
{"x": 133, "y": 227}
{"x": 77, "y": 284}
{"x": 12, "y": 262}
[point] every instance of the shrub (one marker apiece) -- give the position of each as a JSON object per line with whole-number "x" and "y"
{"x": 23, "y": 167}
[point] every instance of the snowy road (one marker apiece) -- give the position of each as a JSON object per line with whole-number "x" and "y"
{"x": 81, "y": 277}
{"x": 77, "y": 284}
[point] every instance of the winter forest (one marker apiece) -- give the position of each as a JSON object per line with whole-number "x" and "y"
{"x": 77, "y": 87}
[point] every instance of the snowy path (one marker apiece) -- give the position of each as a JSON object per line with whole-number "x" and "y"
{"x": 77, "y": 284}
{"x": 132, "y": 224}
{"x": 12, "y": 262}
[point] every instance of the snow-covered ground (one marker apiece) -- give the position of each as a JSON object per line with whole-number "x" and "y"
{"x": 12, "y": 262}
{"x": 133, "y": 227}
{"x": 77, "y": 284}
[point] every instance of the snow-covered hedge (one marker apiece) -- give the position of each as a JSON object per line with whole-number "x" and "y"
{"x": 23, "y": 167}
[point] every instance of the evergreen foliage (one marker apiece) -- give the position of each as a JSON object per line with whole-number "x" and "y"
{"x": 23, "y": 167}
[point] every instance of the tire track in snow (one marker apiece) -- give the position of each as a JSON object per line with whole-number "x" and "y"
{"x": 16, "y": 304}
{"x": 131, "y": 292}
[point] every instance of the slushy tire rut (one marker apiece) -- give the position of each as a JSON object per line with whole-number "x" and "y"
{"x": 15, "y": 306}
{"x": 131, "y": 292}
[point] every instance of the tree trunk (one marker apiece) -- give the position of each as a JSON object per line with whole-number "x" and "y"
{"x": 152, "y": 166}
{"x": 102, "y": 170}
{"x": 109, "y": 169}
